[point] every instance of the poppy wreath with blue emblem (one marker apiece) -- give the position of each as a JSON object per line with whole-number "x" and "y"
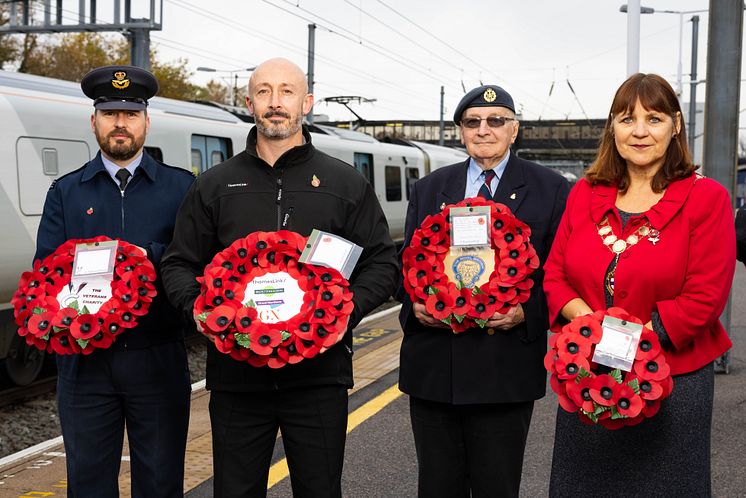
{"x": 598, "y": 394}
{"x": 72, "y": 329}
{"x": 233, "y": 323}
{"x": 453, "y": 303}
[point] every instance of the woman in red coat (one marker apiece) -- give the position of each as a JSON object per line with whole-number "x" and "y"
{"x": 670, "y": 261}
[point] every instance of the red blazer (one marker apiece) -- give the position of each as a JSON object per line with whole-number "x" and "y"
{"x": 686, "y": 275}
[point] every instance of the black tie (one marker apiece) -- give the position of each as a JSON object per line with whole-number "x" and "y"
{"x": 123, "y": 175}
{"x": 485, "y": 191}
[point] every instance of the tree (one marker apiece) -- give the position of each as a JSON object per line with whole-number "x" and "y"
{"x": 8, "y": 45}
{"x": 214, "y": 91}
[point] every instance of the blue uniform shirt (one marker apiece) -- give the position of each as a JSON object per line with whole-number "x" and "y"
{"x": 475, "y": 176}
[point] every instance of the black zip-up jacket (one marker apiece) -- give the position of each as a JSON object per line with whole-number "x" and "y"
{"x": 244, "y": 195}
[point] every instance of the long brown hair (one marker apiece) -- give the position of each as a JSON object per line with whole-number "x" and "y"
{"x": 655, "y": 94}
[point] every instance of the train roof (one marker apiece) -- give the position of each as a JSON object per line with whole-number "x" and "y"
{"x": 72, "y": 89}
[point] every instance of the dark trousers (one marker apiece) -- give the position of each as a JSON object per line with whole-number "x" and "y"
{"x": 469, "y": 450}
{"x": 147, "y": 390}
{"x": 313, "y": 424}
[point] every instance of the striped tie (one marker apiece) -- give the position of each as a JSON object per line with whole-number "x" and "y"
{"x": 484, "y": 190}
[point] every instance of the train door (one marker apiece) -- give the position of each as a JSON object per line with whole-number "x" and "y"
{"x": 208, "y": 151}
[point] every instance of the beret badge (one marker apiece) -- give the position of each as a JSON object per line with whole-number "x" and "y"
{"x": 120, "y": 81}
{"x": 489, "y": 95}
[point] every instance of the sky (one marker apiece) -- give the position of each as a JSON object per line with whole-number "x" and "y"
{"x": 401, "y": 52}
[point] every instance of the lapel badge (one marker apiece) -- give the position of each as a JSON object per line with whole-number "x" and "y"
{"x": 489, "y": 95}
{"x": 654, "y": 236}
{"x": 315, "y": 182}
{"x": 89, "y": 211}
{"x": 512, "y": 196}
{"x": 120, "y": 81}
{"x": 442, "y": 206}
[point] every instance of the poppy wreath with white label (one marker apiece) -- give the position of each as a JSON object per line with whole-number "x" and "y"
{"x": 453, "y": 303}
{"x": 69, "y": 328}
{"x": 241, "y": 326}
{"x": 598, "y": 394}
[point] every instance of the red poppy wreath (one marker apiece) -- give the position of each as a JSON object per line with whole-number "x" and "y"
{"x": 67, "y": 327}
{"x": 614, "y": 399}
{"x": 454, "y": 303}
{"x": 260, "y": 304}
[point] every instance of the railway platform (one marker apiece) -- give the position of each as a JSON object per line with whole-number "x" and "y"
{"x": 380, "y": 458}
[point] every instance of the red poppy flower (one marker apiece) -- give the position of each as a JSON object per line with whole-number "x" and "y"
{"x": 462, "y": 303}
{"x": 501, "y": 223}
{"x": 307, "y": 348}
{"x": 224, "y": 341}
{"x": 321, "y": 315}
{"x": 276, "y": 361}
{"x": 511, "y": 271}
{"x": 653, "y": 369}
{"x": 255, "y": 360}
{"x": 220, "y": 318}
{"x": 628, "y": 403}
{"x": 288, "y": 352}
{"x": 84, "y": 326}
{"x": 649, "y": 347}
{"x": 568, "y": 365}
{"x": 63, "y": 343}
{"x": 128, "y": 320}
{"x": 263, "y": 339}
{"x": 484, "y": 305}
{"x": 64, "y": 318}
{"x": 420, "y": 240}
{"x": 34, "y": 341}
{"x": 580, "y": 393}
{"x": 244, "y": 318}
{"x": 41, "y": 324}
{"x": 509, "y": 239}
{"x": 434, "y": 228}
{"x": 328, "y": 276}
{"x": 604, "y": 390}
{"x": 651, "y": 408}
{"x": 113, "y": 324}
{"x": 574, "y": 344}
{"x": 549, "y": 362}
{"x": 567, "y": 403}
{"x": 22, "y": 317}
{"x": 587, "y": 327}
{"x": 102, "y": 340}
{"x": 306, "y": 330}
{"x": 440, "y": 304}
{"x": 523, "y": 291}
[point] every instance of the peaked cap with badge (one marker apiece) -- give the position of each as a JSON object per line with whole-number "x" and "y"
{"x": 483, "y": 96}
{"x": 119, "y": 87}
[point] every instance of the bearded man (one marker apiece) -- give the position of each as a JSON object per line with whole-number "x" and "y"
{"x": 280, "y": 182}
{"x": 142, "y": 380}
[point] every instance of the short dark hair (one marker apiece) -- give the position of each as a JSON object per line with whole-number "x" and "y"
{"x": 656, "y": 94}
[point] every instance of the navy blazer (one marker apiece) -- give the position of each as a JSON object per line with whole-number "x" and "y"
{"x": 87, "y": 202}
{"x": 477, "y": 366}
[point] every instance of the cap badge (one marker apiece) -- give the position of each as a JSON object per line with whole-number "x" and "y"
{"x": 315, "y": 182}
{"x": 120, "y": 81}
{"x": 489, "y": 95}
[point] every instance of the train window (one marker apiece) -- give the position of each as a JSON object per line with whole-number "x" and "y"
{"x": 216, "y": 158}
{"x": 393, "y": 183}
{"x": 364, "y": 164}
{"x": 154, "y": 152}
{"x": 49, "y": 162}
{"x": 212, "y": 149}
{"x": 412, "y": 175}
{"x": 197, "y": 166}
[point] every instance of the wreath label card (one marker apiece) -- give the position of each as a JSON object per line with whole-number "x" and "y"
{"x": 94, "y": 260}
{"x": 470, "y": 226}
{"x": 618, "y": 343}
{"x": 332, "y": 251}
{"x": 276, "y": 297}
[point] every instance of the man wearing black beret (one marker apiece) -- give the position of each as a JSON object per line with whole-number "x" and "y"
{"x": 141, "y": 381}
{"x": 472, "y": 393}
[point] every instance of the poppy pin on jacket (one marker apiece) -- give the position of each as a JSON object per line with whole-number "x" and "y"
{"x": 315, "y": 182}
{"x": 89, "y": 211}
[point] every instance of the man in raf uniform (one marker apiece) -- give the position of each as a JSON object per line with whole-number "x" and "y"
{"x": 472, "y": 393}
{"x": 142, "y": 380}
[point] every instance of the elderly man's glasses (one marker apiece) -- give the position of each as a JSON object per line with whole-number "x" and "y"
{"x": 492, "y": 122}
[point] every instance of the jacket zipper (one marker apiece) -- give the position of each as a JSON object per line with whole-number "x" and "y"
{"x": 278, "y": 200}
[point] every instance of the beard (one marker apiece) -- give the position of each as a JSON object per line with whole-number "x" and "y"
{"x": 118, "y": 149}
{"x": 279, "y": 131}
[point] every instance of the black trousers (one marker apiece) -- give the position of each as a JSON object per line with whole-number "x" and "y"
{"x": 313, "y": 424}
{"x": 146, "y": 390}
{"x": 469, "y": 450}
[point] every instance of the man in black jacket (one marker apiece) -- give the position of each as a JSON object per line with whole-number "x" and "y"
{"x": 280, "y": 182}
{"x": 142, "y": 380}
{"x": 472, "y": 393}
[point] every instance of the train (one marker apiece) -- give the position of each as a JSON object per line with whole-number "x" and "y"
{"x": 46, "y": 134}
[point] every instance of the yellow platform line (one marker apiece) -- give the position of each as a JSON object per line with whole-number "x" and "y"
{"x": 279, "y": 470}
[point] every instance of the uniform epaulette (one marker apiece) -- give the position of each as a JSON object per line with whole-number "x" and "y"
{"x": 189, "y": 172}
{"x": 54, "y": 182}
